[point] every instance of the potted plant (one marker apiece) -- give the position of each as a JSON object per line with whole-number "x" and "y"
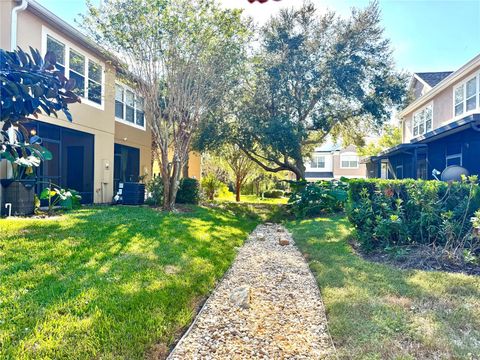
{"x": 30, "y": 84}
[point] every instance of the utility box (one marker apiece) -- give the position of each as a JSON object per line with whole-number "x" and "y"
{"x": 106, "y": 171}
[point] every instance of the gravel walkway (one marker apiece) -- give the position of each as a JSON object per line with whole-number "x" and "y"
{"x": 267, "y": 307}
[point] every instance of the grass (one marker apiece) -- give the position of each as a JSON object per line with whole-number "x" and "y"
{"x": 253, "y": 199}
{"x": 109, "y": 283}
{"x": 376, "y": 311}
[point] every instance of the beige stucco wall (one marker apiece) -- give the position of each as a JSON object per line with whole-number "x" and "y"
{"x": 338, "y": 172}
{"x": 194, "y": 166}
{"x": 5, "y": 23}
{"x": 86, "y": 118}
{"x": 442, "y": 107}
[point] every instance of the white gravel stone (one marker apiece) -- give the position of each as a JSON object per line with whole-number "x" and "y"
{"x": 268, "y": 306}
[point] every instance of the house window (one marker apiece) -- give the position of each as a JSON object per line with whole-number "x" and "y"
{"x": 77, "y": 72}
{"x": 349, "y": 161}
{"x": 453, "y": 154}
{"x": 466, "y": 96}
{"x": 119, "y": 101}
{"x": 88, "y": 74}
{"x": 58, "y": 49}
{"x": 317, "y": 162}
{"x": 422, "y": 121}
{"x": 455, "y": 159}
{"x": 129, "y": 107}
{"x": 399, "y": 171}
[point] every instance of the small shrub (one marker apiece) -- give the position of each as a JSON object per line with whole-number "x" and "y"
{"x": 273, "y": 194}
{"x": 188, "y": 191}
{"x": 155, "y": 191}
{"x": 310, "y": 199}
{"x": 211, "y": 186}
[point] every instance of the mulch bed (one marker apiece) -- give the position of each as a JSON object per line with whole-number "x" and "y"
{"x": 416, "y": 258}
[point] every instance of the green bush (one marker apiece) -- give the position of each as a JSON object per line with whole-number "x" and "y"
{"x": 211, "y": 186}
{"x": 188, "y": 192}
{"x": 155, "y": 191}
{"x": 412, "y": 212}
{"x": 311, "y": 199}
{"x": 273, "y": 194}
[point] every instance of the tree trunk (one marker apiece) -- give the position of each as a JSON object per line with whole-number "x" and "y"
{"x": 238, "y": 187}
{"x": 300, "y": 169}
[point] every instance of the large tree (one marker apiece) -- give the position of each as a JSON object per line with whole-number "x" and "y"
{"x": 313, "y": 75}
{"x": 184, "y": 56}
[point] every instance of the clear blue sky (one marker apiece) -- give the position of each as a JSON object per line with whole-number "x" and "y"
{"x": 427, "y": 35}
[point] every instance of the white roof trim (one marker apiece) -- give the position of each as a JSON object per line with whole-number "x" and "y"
{"x": 442, "y": 85}
{"x": 415, "y": 76}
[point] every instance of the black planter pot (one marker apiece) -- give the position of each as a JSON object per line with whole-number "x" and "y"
{"x": 21, "y": 194}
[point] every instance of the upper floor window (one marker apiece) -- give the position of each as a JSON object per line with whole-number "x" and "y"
{"x": 129, "y": 106}
{"x": 349, "y": 161}
{"x": 467, "y": 96}
{"x": 88, "y": 74}
{"x": 422, "y": 121}
{"x": 317, "y": 162}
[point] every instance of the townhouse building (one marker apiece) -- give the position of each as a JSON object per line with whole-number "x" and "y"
{"x": 440, "y": 128}
{"x": 109, "y": 140}
{"x": 330, "y": 162}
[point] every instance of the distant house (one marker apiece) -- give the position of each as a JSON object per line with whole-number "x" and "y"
{"x": 332, "y": 162}
{"x": 110, "y": 139}
{"x": 441, "y": 127}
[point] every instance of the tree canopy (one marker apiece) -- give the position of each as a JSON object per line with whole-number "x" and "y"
{"x": 313, "y": 75}
{"x": 184, "y": 57}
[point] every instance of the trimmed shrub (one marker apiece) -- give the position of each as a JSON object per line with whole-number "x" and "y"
{"x": 311, "y": 199}
{"x": 154, "y": 191}
{"x": 412, "y": 212}
{"x": 273, "y": 194}
{"x": 188, "y": 192}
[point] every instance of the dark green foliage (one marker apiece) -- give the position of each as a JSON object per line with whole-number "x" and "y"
{"x": 188, "y": 192}
{"x": 155, "y": 191}
{"x": 389, "y": 213}
{"x": 310, "y": 199}
{"x": 31, "y": 84}
{"x": 273, "y": 194}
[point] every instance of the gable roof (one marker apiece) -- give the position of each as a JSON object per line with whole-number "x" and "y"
{"x": 433, "y": 78}
{"x": 442, "y": 85}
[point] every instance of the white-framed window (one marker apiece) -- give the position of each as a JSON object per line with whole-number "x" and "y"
{"x": 348, "y": 161}
{"x": 454, "y": 159}
{"x": 87, "y": 72}
{"x": 466, "y": 96}
{"x": 422, "y": 121}
{"x": 129, "y": 107}
{"x": 317, "y": 162}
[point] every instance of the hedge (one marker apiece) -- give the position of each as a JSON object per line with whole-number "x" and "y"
{"x": 408, "y": 212}
{"x": 273, "y": 194}
{"x": 188, "y": 191}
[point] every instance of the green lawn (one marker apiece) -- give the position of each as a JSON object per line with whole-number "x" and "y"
{"x": 376, "y": 311}
{"x": 109, "y": 283}
{"x": 253, "y": 199}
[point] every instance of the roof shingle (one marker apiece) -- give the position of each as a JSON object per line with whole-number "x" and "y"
{"x": 433, "y": 78}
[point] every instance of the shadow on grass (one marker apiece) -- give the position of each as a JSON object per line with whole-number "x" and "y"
{"x": 109, "y": 282}
{"x": 378, "y": 311}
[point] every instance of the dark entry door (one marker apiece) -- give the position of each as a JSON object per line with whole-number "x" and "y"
{"x": 75, "y": 167}
{"x": 127, "y": 164}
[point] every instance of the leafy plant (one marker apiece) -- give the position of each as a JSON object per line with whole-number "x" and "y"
{"x": 393, "y": 213}
{"x": 30, "y": 84}
{"x": 211, "y": 186}
{"x": 57, "y": 195}
{"x": 188, "y": 191}
{"x": 309, "y": 199}
{"x": 273, "y": 194}
{"x": 155, "y": 191}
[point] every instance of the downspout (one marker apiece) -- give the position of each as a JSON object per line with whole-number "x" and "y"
{"x": 14, "y": 27}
